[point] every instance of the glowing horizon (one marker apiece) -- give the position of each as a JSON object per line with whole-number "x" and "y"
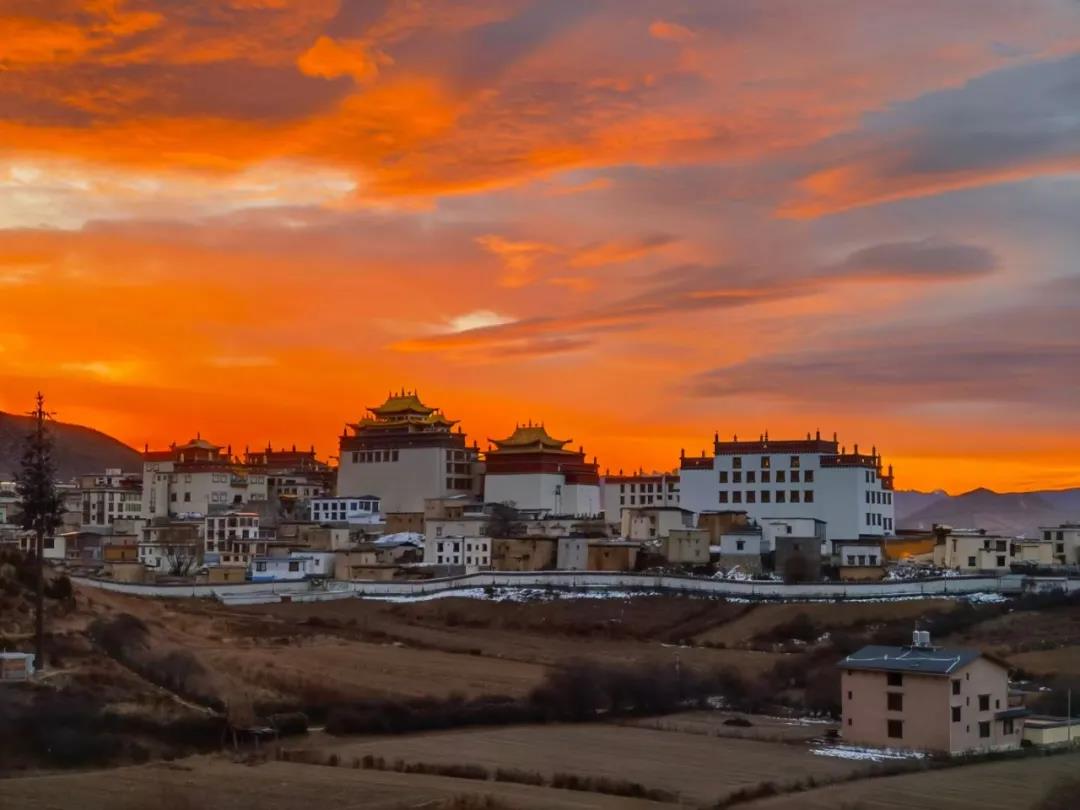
{"x": 638, "y": 221}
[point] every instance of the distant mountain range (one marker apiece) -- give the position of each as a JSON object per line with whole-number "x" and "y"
{"x": 1013, "y": 513}
{"x": 78, "y": 450}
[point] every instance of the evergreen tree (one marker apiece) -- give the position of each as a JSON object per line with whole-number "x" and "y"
{"x": 40, "y": 506}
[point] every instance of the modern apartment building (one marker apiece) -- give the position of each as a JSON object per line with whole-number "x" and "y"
{"x": 927, "y": 698}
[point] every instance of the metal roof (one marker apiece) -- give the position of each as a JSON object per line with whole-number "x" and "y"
{"x": 924, "y": 660}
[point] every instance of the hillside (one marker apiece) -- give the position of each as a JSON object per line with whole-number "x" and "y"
{"x": 79, "y": 450}
{"x": 1018, "y": 513}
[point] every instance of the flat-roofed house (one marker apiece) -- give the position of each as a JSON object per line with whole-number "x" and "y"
{"x": 927, "y": 698}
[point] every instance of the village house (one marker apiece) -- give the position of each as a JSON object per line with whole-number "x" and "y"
{"x": 360, "y": 510}
{"x": 859, "y": 560}
{"x": 740, "y": 547}
{"x": 232, "y": 538}
{"x": 474, "y": 553}
{"x": 1066, "y": 542}
{"x": 108, "y": 497}
{"x": 523, "y": 553}
{"x": 455, "y": 516}
{"x": 639, "y": 489}
{"x": 928, "y": 698}
{"x": 686, "y": 547}
{"x": 974, "y": 551}
{"x": 654, "y": 522}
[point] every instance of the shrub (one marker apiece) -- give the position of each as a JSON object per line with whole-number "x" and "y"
{"x": 519, "y": 776}
{"x": 740, "y": 722}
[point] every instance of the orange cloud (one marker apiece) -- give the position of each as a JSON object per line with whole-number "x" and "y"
{"x": 330, "y": 58}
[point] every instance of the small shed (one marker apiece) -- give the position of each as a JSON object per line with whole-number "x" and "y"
{"x": 16, "y": 666}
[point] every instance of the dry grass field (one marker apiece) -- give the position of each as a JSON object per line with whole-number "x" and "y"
{"x": 216, "y": 784}
{"x": 699, "y": 768}
{"x": 1011, "y": 785}
{"x": 712, "y": 724}
{"x": 831, "y": 615}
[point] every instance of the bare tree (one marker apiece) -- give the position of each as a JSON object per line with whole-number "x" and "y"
{"x": 40, "y": 505}
{"x": 180, "y": 559}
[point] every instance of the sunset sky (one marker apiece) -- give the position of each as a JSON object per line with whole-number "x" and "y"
{"x": 638, "y": 221}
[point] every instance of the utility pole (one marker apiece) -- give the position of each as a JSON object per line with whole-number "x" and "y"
{"x": 39, "y": 543}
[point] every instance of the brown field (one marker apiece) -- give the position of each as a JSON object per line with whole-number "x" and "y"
{"x": 1064, "y": 660}
{"x": 701, "y": 769}
{"x": 1014, "y": 785}
{"x": 711, "y": 724}
{"x": 217, "y": 784}
{"x": 830, "y": 615}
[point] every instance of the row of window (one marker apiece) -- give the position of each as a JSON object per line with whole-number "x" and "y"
{"x": 457, "y": 469}
{"x": 649, "y": 487}
{"x": 646, "y": 500}
{"x": 768, "y": 496}
{"x": 878, "y": 496}
{"x": 373, "y": 456}
{"x": 1059, "y": 536}
{"x": 766, "y": 476}
{"x": 766, "y": 462}
{"x": 877, "y": 519}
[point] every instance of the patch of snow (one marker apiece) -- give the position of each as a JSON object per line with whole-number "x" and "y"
{"x": 865, "y": 754}
{"x": 986, "y": 598}
{"x": 401, "y": 539}
{"x": 520, "y": 595}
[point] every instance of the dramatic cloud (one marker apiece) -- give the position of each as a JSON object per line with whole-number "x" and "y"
{"x": 252, "y": 217}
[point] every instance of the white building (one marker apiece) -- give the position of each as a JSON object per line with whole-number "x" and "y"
{"x": 1066, "y": 540}
{"x": 109, "y": 497}
{"x": 811, "y": 478}
{"x": 360, "y": 510}
{"x": 472, "y": 552}
{"x": 233, "y": 538}
{"x": 654, "y": 489}
{"x": 535, "y": 473}
{"x": 404, "y": 453}
{"x": 190, "y": 478}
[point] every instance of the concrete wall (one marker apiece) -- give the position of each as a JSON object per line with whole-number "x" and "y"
{"x": 590, "y": 580}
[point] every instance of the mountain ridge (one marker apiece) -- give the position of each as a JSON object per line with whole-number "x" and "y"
{"x": 78, "y": 449}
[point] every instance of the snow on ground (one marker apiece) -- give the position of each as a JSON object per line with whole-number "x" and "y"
{"x": 988, "y": 598}
{"x": 515, "y": 595}
{"x": 859, "y": 752}
{"x": 401, "y": 539}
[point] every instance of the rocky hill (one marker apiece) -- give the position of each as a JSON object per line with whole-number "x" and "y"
{"x": 78, "y": 449}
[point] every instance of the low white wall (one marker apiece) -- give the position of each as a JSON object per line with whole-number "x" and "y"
{"x": 257, "y": 593}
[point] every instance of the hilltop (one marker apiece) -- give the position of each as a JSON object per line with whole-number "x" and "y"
{"x": 78, "y": 449}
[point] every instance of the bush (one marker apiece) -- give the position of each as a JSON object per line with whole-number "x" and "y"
{"x": 519, "y": 776}
{"x": 1062, "y": 796}
{"x": 740, "y": 722}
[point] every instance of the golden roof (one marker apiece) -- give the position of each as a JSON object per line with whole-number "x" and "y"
{"x": 199, "y": 443}
{"x": 403, "y": 420}
{"x": 530, "y": 438}
{"x": 403, "y": 403}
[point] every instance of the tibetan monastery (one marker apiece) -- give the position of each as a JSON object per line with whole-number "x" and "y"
{"x": 536, "y": 472}
{"x": 403, "y": 453}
